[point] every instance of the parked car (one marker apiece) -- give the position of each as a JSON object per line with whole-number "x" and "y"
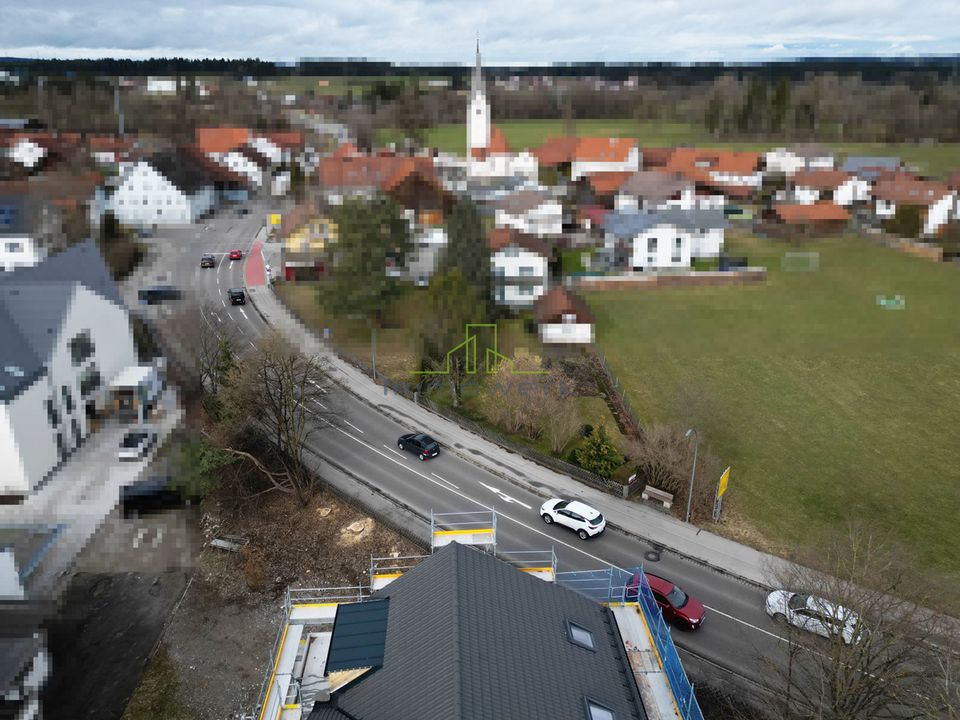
{"x": 423, "y": 446}
{"x": 575, "y": 515}
{"x": 237, "y": 296}
{"x": 156, "y": 295}
{"x": 815, "y": 615}
{"x": 136, "y": 444}
{"x": 677, "y": 607}
{"x": 236, "y": 254}
{"x": 208, "y": 261}
{"x": 151, "y": 495}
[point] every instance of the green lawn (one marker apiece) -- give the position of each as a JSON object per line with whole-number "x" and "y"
{"x": 827, "y": 406}
{"x": 935, "y": 159}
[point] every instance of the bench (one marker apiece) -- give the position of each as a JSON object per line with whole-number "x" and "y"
{"x": 664, "y": 497}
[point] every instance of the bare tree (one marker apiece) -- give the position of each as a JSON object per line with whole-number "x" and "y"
{"x": 883, "y": 643}
{"x": 282, "y": 394}
{"x": 205, "y": 348}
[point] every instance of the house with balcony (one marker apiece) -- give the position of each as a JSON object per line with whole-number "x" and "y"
{"x": 64, "y": 335}
{"x": 520, "y": 266}
{"x": 734, "y": 174}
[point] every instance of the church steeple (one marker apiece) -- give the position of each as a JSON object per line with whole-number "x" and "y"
{"x": 476, "y": 85}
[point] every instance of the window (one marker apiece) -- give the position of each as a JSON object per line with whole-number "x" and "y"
{"x": 52, "y": 415}
{"x": 81, "y": 347}
{"x": 526, "y": 290}
{"x": 596, "y": 711}
{"x": 526, "y": 271}
{"x": 652, "y": 245}
{"x": 91, "y": 381}
{"x": 678, "y": 243}
{"x": 144, "y": 199}
{"x": 14, "y": 247}
{"x": 569, "y": 319}
{"x": 579, "y": 635}
{"x": 67, "y": 398}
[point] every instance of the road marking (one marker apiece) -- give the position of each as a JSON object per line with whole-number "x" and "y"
{"x": 744, "y": 622}
{"x": 349, "y": 423}
{"x": 244, "y": 314}
{"x": 240, "y": 328}
{"x": 317, "y": 386}
{"x": 374, "y": 449}
{"x": 320, "y": 404}
{"x": 223, "y": 301}
{"x": 252, "y": 345}
{"x": 503, "y": 496}
{"x": 219, "y": 319}
{"x": 445, "y": 480}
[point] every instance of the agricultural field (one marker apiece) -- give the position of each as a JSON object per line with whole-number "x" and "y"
{"x": 827, "y": 405}
{"x": 936, "y": 159}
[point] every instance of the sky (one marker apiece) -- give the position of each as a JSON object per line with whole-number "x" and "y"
{"x": 511, "y": 32}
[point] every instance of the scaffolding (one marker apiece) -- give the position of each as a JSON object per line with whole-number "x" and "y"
{"x": 470, "y": 528}
{"x": 384, "y": 570}
{"x": 539, "y": 563}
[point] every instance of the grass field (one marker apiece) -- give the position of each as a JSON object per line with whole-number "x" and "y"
{"x": 934, "y": 159}
{"x": 827, "y": 406}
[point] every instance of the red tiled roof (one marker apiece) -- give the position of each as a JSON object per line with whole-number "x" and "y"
{"x": 289, "y": 139}
{"x": 603, "y": 149}
{"x": 818, "y": 212}
{"x": 656, "y": 157}
{"x": 556, "y": 150}
{"x": 594, "y": 213}
{"x": 697, "y": 163}
{"x": 820, "y": 179}
{"x": 500, "y": 238}
{"x": 498, "y": 145}
{"x": 385, "y": 172}
{"x": 108, "y": 143}
{"x": 221, "y": 139}
{"x": 345, "y": 150}
{"x": 607, "y": 183}
{"x": 215, "y": 169}
{"x": 908, "y": 190}
{"x": 557, "y": 302}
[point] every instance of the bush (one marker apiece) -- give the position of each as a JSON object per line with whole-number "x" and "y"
{"x": 598, "y": 455}
{"x": 586, "y": 430}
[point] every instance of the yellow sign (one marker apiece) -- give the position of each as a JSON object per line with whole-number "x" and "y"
{"x": 275, "y": 219}
{"x": 724, "y": 479}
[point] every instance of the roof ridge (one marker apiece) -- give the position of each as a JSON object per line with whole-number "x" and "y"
{"x": 458, "y": 696}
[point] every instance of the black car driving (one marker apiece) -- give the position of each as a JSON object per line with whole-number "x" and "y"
{"x": 208, "y": 261}
{"x": 423, "y": 446}
{"x": 237, "y": 296}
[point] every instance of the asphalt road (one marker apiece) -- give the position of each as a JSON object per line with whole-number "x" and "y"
{"x": 736, "y": 631}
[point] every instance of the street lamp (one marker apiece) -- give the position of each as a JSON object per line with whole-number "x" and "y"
{"x": 693, "y": 473}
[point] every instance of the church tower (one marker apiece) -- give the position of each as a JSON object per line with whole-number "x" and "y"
{"x": 478, "y": 112}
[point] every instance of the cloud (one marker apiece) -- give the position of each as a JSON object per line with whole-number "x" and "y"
{"x": 429, "y": 31}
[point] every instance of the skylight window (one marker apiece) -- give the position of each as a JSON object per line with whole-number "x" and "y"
{"x": 596, "y": 711}
{"x": 580, "y": 636}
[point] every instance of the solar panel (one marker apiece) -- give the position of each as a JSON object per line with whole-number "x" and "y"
{"x": 359, "y": 636}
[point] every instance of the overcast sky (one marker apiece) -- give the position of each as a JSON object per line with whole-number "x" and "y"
{"x": 511, "y": 31}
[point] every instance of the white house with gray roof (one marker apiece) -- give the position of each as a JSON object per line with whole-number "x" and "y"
{"x": 64, "y": 334}
{"x": 666, "y": 238}
{"x": 532, "y": 211}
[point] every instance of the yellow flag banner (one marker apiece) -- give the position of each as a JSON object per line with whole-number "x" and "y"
{"x": 724, "y": 479}
{"x": 275, "y": 219}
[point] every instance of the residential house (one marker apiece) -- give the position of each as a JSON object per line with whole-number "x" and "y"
{"x": 597, "y": 189}
{"x": 64, "y": 334}
{"x": 229, "y": 186}
{"x": 463, "y": 635}
{"x": 666, "y": 239}
{"x": 108, "y": 150}
{"x": 520, "y": 266}
{"x": 654, "y": 190}
{"x": 306, "y": 238}
{"x": 173, "y": 187}
{"x": 563, "y": 317}
{"x": 834, "y": 186}
{"x": 217, "y": 140}
{"x": 18, "y": 246}
{"x": 937, "y": 202}
{"x": 656, "y": 158}
{"x": 803, "y": 157}
{"x": 535, "y": 212}
{"x": 604, "y": 155}
{"x": 244, "y": 160}
{"x": 734, "y": 174}
{"x": 870, "y": 168}
{"x": 823, "y": 217}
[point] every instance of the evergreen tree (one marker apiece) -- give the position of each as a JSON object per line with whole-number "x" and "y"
{"x": 598, "y": 455}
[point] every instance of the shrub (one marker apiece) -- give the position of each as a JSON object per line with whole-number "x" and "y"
{"x": 586, "y": 430}
{"x": 598, "y": 455}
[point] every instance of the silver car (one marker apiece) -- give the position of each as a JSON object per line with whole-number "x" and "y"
{"x": 815, "y": 615}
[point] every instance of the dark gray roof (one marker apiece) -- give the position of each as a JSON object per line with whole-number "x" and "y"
{"x": 182, "y": 169}
{"x": 16, "y": 654}
{"x": 14, "y": 217}
{"x": 868, "y": 167}
{"x": 628, "y": 225}
{"x": 359, "y": 632}
{"x": 470, "y": 637}
{"x": 654, "y": 185}
{"x": 522, "y": 201}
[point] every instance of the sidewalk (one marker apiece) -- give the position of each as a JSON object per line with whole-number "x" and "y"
{"x": 661, "y": 530}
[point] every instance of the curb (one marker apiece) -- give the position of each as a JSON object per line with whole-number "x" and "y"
{"x": 259, "y": 311}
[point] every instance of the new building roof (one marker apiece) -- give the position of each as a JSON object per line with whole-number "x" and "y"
{"x": 469, "y": 637}
{"x": 628, "y": 225}
{"x": 820, "y": 179}
{"x": 557, "y": 302}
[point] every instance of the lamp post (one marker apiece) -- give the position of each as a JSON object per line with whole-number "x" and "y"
{"x": 693, "y": 473}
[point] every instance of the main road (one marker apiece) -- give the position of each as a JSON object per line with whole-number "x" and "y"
{"x": 736, "y": 632}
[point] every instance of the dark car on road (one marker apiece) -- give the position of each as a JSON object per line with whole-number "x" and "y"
{"x": 237, "y": 296}
{"x": 423, "y": 446}
{"x": 236, "y": 254}
{"x": 677, "y": 607}
{"x": 208, "y": 261}
{"x": 156, "y": 295}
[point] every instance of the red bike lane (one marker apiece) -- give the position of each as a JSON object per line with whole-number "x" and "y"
{"x": 254, "y": 272}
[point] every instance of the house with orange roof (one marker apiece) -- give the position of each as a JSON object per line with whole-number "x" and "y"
{"x": 937, "y": 202}
{"x": 594, "y": 155}
{"x": 734, "y": 173}
{"x": 836, "y": 186}
{"x": 108, "y": 149}
{"x": 217, "y": 140}
{"x": 816, "y": 218}
{"x": 520, "y": 265}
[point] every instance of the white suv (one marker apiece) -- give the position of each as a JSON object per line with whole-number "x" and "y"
{"x": 575, "y": 515}
{"x": 815, "y": 615}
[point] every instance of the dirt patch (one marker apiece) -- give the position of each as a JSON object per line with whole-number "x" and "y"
{"x": 735, "y": 526}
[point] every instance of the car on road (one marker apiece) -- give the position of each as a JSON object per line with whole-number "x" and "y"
{"x": 237, "y": 296}
{"x": 573, "y": 514}
{"x": 677, "y": 607}
{"x": 136, "y": 443}
{"x": 815, "y": 615}
{"x": 157, "y": 294}
{"x": 208, "y": 261}
{"x": 423, "y": 446}
{"x": 236, "y": 254}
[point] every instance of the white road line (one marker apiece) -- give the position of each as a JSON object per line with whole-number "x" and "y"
{"x": 744, "y": 622}
{"x": 219, "y": 319}
{"x": 223, "y": 301}
{"x": 252, "y": 345}
{"x": 240, "y": 328}
{"x": 350, "y": 424}
{"x": 320, "y": 404}
{"x": 375, "y": 450}
{"x": 503, "y": 496}
{"x": 445, "y": 480}
{"x": 244, "y": 314}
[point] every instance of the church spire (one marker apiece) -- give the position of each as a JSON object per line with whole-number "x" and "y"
{"x": 477, "y": 84}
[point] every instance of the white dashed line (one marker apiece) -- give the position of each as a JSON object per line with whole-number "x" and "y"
{"x": 252, "y": 345}
{"x": 445, "y": 480}
{"x": 375, "y": 450}
{"x": 350, "y": 424}
{"x": 244, "y": 314}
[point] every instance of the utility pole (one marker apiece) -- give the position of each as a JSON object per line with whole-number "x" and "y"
{"x": 116, "y": 108}
{"x": 693, "y": 473}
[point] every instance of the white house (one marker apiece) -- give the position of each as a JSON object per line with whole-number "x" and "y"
{"x": 161, "y": 86}
{"x": 835, "y": 186}
{"x": 604, "y": 154}
{"x": 734, "y": 173}
{"x": 64, "y": 334}
{"x": 666, "y": 238}
{"x": 535, "y": 212}
{"x": 18, "y": 248}
{"x": 171, "y": 188}
{"x": 244, "y": 163}
{"x": 520, "y": 266}
{"x": 797, "y": 158}
{"x": 936, "y": 200}
{"x": 563, "y": 317}
{"x": 653, "y": 190}
{"x": 26, "y": 152}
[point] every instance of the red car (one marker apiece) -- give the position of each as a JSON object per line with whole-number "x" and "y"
{"x": 677, "y": 607}
{"x": 235, "y": 254}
